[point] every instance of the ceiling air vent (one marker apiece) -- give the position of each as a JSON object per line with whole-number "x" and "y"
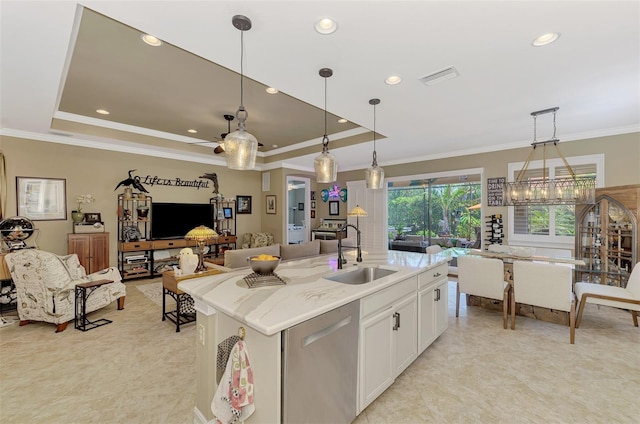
{"x": 442, "y": 75}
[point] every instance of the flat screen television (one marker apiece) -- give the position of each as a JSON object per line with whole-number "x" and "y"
{"x": 174, "y": 220}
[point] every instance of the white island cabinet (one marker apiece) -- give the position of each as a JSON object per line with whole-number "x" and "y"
{"x": 400, "y": 314}
{"x": 388, "y": 338}
{"x": 433, "y": 299}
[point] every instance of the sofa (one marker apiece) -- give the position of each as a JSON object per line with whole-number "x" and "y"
{"x": 238, "y": 258}
{"x": 45, "y": 286}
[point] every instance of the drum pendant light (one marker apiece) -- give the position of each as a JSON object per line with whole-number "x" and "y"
{"x": 240, "y": 146}
{"x": 325, "y": 164}
{"x": 374, "y": 176}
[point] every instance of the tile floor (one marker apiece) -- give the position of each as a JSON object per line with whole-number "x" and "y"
{"x": 139, "y": 370}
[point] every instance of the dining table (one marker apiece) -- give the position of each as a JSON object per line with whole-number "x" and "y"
{"x": 508, "y": 258}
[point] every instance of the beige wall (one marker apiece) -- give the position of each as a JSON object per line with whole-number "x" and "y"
{"x": 98, "y": 172}
{"x": 622, "y": 163}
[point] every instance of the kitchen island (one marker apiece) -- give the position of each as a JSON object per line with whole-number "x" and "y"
{"x": 224, "y": 304}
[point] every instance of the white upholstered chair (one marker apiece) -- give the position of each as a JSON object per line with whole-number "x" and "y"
{"x": 617, "y": 297}
{"x": 434, "y": 249}
{"x": 45, "y": 286}
{"x": 545, "y": 285}
{"x": 483, "y": 277}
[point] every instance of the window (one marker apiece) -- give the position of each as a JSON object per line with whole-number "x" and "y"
{"x": 554, "y": 223}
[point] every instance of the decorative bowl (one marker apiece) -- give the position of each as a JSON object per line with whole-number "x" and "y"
{"x": 263, "y": 266}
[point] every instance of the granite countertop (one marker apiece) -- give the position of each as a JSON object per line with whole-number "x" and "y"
{"x": 307, "y": 294}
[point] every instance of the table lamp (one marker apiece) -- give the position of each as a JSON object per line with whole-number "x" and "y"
{"x": 201, "y": 235}
{"x": 357, "y": 212}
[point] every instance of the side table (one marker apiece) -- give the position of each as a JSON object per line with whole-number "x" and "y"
{"x": 83, "y": 291}
{"x": 184, "y": 312}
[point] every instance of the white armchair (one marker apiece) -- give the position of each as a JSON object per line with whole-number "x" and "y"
{"x": 483, "y": 277}
{"x": 545, "y": 285}
{"x": 617, "y": 297}
{"x": 45, "y": 286}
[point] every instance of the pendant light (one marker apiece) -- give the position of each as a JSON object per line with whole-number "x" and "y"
{"x": 374, "y": 176}
{"x": 240, "y": 146}
{"x": 569, "y": 190}
{"x": 325, "y": 164}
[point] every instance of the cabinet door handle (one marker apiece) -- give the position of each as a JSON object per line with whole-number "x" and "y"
{"x": 437, "y": 295}
{"x": 396, "y": 325}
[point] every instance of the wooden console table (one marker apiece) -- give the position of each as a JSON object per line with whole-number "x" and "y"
{"x": 184, "y": 312}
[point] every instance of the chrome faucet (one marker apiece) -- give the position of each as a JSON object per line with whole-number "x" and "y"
{"x": 341, "y": 259}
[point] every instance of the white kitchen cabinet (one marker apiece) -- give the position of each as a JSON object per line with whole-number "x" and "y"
{"x": 388, "y": 338}
{"x": 433, "y": 301}
{"x": 405, "y": 333}
{"x": 376, "y": 357}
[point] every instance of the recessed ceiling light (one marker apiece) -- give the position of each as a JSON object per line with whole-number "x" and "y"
{"x": 342, "y": 121}
{"x": 271, "y": 90}
{"x": 393, "y": 80}
{"x": 326, "y": 26}
{"x": 275, "y": 146}
{"x": 192, "y": 131}
{"x": 545, "y": 39}
{"x": 151, "y": 40}
{"x": 102, "y": 111}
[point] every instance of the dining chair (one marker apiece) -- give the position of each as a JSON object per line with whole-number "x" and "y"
{"x": 545, "y": 285}
{"x": 617, "y": 297}
{"x": 483, "y": 277}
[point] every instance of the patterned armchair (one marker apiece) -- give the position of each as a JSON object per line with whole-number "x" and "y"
{"x": 251, "y": 240}
{"x": 45, "y": 286}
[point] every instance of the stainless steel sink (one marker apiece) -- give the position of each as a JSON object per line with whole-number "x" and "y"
{"x": 361, "y": 275}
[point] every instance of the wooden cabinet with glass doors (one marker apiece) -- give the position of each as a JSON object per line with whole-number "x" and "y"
{"x": 607, "y": 236}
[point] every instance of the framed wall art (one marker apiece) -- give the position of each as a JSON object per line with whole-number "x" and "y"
{"x": 271, "y": 204}
{"x": 42, "y": 199}
{"x": 243, "y": 204}
{"x": 92, "y": 217}
{"x": 334, "y": 207}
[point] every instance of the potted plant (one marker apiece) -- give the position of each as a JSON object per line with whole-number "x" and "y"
{"x": 77, "y": 215}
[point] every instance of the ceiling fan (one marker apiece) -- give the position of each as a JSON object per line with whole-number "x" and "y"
{"x": 220, "y": 147}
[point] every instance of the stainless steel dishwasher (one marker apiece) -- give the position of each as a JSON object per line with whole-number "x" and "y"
{"x": 319, "y": 368}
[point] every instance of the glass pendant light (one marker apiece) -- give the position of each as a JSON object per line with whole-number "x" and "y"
{"x": 374, "y": 176}
{"x": 325, "y": 164}
{"x": 240, "y": 146}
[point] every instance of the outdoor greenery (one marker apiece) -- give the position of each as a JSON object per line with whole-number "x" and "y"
{"x": 537, "y": 220}
{"x": 447, "y": 204}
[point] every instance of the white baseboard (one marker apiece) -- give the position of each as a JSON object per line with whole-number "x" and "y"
{"x": 198, "y": 417}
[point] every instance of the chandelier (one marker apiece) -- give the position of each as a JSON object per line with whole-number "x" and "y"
{"x": 570, "y": 190}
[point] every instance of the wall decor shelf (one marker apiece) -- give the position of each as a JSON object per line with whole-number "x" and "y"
{"x": 607, "y": 236}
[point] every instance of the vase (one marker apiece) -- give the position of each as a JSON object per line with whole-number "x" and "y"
{"x": 77, "y": 216}
{"x": 128, "y": 193}
{"x": 143, "y": 212}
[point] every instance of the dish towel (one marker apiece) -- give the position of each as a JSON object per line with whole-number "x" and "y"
{"x": 233, "y": 400}
{"x": 224, "y": 350}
